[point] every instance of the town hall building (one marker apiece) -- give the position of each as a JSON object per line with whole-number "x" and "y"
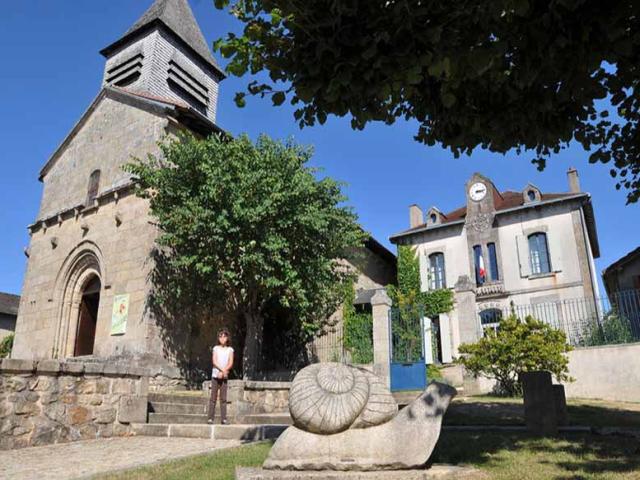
{"x": 528, "y": 252}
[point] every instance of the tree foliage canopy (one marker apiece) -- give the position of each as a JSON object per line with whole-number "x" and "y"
{"x": 518, "y": 346}
{"x": 501, "y": 75}
{"x": 252, "y": 224}
{"x": 408, "y": 297}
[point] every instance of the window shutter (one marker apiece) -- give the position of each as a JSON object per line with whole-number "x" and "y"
{"x": 424, "y": 273}
{"x": 522, "y": 245}
{"x": 555, "y": 252}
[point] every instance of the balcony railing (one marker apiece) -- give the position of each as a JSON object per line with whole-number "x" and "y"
{"x": 490, "y": 289}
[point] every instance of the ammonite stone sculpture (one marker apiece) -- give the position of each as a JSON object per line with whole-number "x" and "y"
{"x": 345, "y": 418}
{"x": 329, "y": 398}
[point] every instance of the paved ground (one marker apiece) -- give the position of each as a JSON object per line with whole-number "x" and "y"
{"x": 87, "y": 458}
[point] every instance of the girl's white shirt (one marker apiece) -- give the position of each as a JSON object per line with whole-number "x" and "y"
{"x": 223, "y": 355}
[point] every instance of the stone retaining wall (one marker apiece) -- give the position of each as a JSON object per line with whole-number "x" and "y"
{"x": 609, "y": 372}
{"x": 51, "y": 402}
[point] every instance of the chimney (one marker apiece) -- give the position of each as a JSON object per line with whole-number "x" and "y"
{"x": 574, "y": 180}
{"x": 415, "y": 216}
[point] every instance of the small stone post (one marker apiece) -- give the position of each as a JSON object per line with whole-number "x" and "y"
{"x": 562, "y": 414}
{"x": 381, "y": 307}
{"x": 539, "y": 403}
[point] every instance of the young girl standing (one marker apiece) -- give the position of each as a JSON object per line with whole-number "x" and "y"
{"x": 222, "y": 360}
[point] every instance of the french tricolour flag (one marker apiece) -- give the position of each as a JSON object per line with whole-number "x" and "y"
{"x": 482, "y": 271}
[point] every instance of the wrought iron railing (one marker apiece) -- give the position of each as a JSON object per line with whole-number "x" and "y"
{"x": 587, "y": 321}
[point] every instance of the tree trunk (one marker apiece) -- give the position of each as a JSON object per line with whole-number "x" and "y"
{"x": 252, "y": 345}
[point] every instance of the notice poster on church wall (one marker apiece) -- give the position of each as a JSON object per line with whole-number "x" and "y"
{"x": 119, "y": 314}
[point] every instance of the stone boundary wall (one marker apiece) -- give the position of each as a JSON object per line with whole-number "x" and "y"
{"x": 47, "y": 401}
{"x": 609, "y": 372}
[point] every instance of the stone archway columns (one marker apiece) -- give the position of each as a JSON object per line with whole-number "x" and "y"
{"x": 381, "y": 308}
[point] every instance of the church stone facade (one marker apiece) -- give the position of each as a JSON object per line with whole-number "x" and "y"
{"x": 91, "y": 242}
{"x": 86, "y": 290}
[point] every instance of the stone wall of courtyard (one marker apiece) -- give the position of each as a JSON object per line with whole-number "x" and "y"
{"x": 51, "y": 402}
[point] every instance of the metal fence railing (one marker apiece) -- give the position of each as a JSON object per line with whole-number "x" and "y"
{"x": 585, "y": 321}
{"x": 327, "y": 345}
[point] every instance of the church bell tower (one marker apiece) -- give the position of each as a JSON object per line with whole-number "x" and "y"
{"x": 165, "y": 55}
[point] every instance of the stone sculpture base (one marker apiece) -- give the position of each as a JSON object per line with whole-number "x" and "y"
{"x": 436, "y": 472}
{"x": 404, "y": 443}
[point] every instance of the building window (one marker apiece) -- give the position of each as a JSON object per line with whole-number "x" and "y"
{"x": 493, "y": 262}
{"x": 434, "y": 218}
{"x": 436, "y": 271}
{"x": 539, "y": 253}
{"x": 94, "y": 186}
{"x": 532, "y": 195}
{"x": 481, "y": 272}
{"x": 490, "y": 319}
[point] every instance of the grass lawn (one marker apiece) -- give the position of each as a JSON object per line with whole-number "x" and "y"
{"x": 510, "y": 411}
{"x": 214, "y": 466}
{"x": 501, "y": 456}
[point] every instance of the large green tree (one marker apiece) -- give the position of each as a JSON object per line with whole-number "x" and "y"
{"x": 253, "y": 226}
{"x": 496, "y": 74}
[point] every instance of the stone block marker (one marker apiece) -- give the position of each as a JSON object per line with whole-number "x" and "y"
{"x": 539, "y": 403}
{"x": 133, "y": 409}
{"x": 562, "y": 414}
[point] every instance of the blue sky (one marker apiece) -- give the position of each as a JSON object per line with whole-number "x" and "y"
{"x": 51, "y": 71}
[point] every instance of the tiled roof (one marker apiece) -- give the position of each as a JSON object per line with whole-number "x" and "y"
{"x": 9, "y": 303}
{"x": 503, "y": 201}
{"x": 621, "y": 261}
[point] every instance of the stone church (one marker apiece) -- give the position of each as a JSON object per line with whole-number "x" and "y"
{"x": 87, "y": 284}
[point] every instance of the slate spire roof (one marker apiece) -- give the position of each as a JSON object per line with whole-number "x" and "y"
{"x": 177, "y": 16}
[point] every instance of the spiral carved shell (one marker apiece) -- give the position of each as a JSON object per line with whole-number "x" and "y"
{"x": 329, "y": 398}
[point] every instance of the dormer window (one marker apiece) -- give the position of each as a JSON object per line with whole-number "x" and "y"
{"x": 435, "y": 216}
{"x": 93, "y": 187}
{"x": 531, "y": 194}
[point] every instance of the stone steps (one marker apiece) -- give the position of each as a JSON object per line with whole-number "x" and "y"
{"x": 214, "y": 432}
{"x": 192, "y": 399}
{"x": 267, "y": 419}
{"x": 173, "y": 418}
{"x": 178, "y": 408}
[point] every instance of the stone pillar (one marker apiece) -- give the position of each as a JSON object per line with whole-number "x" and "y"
{"x": 465, "y": 309}
{"x": 539, "y": 403}
{"x": 381, "y": 307}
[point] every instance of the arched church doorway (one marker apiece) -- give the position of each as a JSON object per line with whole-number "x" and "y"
{"x": 87, "y": 317}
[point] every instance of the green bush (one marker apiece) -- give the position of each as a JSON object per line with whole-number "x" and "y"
{"x": 357, "y": 335}
{"x": 6, "y": 345}
{"x": 434, "y": 373}
{"x": 518, "y": 346}
{"x": 614, "y": 329}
